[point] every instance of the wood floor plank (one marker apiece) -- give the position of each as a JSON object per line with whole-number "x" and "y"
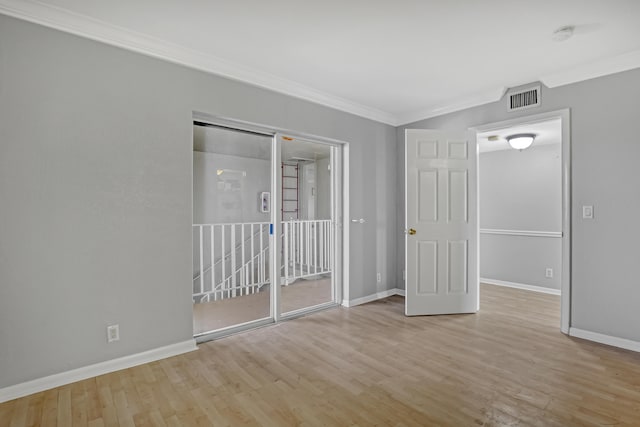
{"x": 34, "y": 414}
{"x": 20, "y": 412}
{"x": 64, "y": 417}
{"x": 6, "y": 413}
{"x": 368, "y": 365}
{"x": 50, "y": 408}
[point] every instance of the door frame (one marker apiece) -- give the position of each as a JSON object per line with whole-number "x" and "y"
{"x": 340, "y": 210}
{"x": 565, "y": 118}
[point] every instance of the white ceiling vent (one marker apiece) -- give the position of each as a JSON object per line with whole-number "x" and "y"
{"x": 525, "y": 98}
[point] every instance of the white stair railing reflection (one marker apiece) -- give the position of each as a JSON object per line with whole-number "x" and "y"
{"x": 307, "y": 249}
{"x": 238, "y": 265}
{"x": 238, "y": 256}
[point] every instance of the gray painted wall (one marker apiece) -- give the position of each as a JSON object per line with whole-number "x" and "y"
{"x": 95, "y": 191}
{"x": 521, "y": 259}
{"x": 605, "y": 174}
{"x": 522, "y": 191}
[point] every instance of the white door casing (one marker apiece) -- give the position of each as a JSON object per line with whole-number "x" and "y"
{"x": 441, "y": 205}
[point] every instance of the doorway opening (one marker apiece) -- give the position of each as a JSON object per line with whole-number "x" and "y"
{"x": 266, "y": 210}
{"x": 524, "y": 228}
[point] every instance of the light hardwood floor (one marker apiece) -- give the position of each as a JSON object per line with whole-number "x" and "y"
{"x": 368, "y": 365}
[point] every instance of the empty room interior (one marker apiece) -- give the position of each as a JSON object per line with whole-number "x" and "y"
{"x": 328, "y": 213}
{"x": 520, "y": 207}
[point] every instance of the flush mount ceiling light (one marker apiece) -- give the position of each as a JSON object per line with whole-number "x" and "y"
{"x": 520, "y": 141}
{"x": 562, "y": 33}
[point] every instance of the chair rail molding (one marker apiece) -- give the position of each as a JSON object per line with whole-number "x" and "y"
{"x": 525, "y": 233}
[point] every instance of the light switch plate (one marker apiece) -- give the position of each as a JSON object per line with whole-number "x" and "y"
{"x": 587, "y": 212}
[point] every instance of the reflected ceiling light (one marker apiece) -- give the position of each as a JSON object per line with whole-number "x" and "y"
{"x": 520, "y": 141}
{"x": 231, "y": 171}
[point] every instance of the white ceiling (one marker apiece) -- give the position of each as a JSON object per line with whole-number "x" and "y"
{"x": 547, "y": 132}
{"x": 395, "y": 62}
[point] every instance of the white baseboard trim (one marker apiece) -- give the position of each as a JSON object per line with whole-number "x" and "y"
{"x": 533, "y": 288}
{"x": 373, "y": 297}
{"x": 63, "y": 378}
{"x": 605, "y": 339}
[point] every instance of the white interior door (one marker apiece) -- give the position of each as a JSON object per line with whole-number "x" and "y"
{"x": 441, "y": 221}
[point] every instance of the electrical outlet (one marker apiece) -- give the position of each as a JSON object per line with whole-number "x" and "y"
{"x": 587, "y": 212}
{"x": 113, "y": 333}
{"x": 549, "y": 273}
{"x": 379, "y": 277}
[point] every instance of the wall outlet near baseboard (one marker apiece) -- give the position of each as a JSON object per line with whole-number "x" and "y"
{"x": 379, "y": 277}
{"x": 549, "y": 273}
{"x": 113, "y": 333}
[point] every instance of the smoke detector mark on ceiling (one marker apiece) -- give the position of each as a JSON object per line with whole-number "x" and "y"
{"x": 562, "y": 33}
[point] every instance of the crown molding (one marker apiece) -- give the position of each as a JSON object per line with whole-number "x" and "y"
{"x": 479, "y": 99}
{"x": 91, "y": 28}
{"x": 603, "y": 67}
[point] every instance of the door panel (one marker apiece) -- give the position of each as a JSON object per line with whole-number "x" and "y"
{"x": 441, "y": 206}
{"x": 458, "y": 196}
{"x": 428, "y": 185}
{"x": 428, "y": 267}
{"x": 457, "y": 267}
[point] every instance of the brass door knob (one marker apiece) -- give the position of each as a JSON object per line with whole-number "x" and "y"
{"x": 412, "y": 231}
